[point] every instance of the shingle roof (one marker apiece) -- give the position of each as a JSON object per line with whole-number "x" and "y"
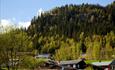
{"x": 113, "y": 62}
{"x": 70, "y": 62}
{"x": 101, "y": 63}
{"x": 43, "y": 56}
{"x": 104, "y": 63}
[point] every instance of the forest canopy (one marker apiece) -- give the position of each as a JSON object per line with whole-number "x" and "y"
{"x": 75, "y": 30}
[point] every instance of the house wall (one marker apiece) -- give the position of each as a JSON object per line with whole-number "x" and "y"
{"x": 80, "y": 65}
{"x": 112, "y": 67}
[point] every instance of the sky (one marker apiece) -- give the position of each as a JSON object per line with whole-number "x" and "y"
{"x": 20, "y": 12}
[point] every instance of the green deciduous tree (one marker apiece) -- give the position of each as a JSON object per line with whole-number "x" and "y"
{"x": 12, "y": 44}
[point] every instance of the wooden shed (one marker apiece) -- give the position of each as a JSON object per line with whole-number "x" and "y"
{"x": 107, "y": 65}
{"x": 72, "y": 64}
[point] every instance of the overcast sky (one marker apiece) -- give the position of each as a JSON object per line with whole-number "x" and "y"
{"x": 20, "y": 12}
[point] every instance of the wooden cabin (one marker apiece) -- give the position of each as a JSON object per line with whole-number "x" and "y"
{"x": 72, "y": 64}
{"x": 108, "y": 65}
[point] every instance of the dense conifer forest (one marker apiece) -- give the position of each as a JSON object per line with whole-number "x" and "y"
{"x": 74, "y": 31}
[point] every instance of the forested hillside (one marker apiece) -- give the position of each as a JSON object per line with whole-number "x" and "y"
{"x": 70, "y": 20}
{"x": 74, "y": 30}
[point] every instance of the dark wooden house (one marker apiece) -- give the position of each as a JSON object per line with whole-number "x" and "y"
{"x": 72, "y": 64}
{"x": 108, "y": 65}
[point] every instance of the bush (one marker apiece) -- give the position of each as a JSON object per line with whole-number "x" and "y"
{"x": 31, "y": 62}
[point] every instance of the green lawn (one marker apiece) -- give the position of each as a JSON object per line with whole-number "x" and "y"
{"x": 90, "y": 61}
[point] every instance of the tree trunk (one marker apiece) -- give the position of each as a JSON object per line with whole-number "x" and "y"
{"x": 8, "y": 67}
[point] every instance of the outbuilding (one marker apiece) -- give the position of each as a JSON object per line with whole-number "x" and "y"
{"x": 107, "y": 65}
{"x": 72, "y": 64}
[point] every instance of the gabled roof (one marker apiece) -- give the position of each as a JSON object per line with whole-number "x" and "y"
{"x": 70, "y": 62}
{"x": 101, "y": 63}
{"x": 106, "y": 63}
{"x": 113, "y": 62}
{"x": 43, "y": 56}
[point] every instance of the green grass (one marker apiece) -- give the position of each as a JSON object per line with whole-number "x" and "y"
{"x": 90, "y": 61}
{"x": 3, "y": 69}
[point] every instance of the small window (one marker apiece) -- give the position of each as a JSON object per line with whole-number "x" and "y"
{"x": 74, "y": 66}
{"x": 78, "y": 65}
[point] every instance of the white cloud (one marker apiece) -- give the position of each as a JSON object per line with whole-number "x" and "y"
{"x": 6, "y": 23}
{"x": 24, "y": 24}
{"x": 40, "y": 11}
{"x": 10, "y": 23}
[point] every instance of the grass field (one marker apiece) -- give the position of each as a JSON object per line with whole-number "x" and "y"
{"x": 90, "y": 61}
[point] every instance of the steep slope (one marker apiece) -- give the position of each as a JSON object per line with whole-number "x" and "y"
{"x": 71, "y": 20}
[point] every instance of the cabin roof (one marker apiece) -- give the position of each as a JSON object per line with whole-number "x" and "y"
{"x": 101, "y": 63}
{"x": 106, "y": 63}
{"x": 70, "y": 62}
{"x": 43, "y": 55}
{"x": 113, "y": 62}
